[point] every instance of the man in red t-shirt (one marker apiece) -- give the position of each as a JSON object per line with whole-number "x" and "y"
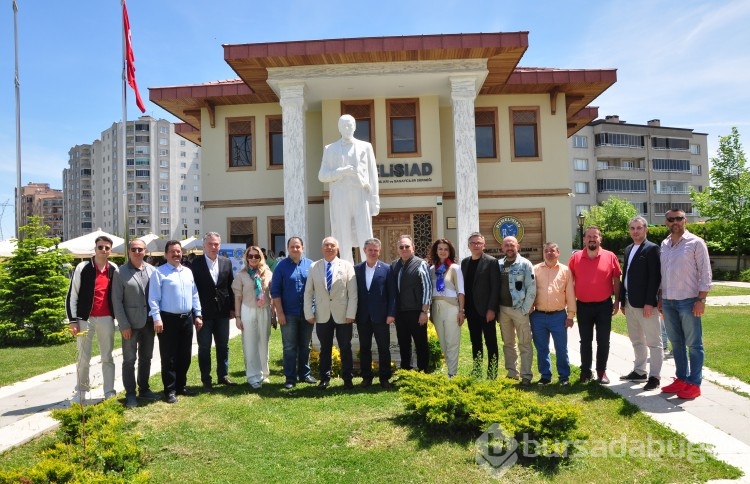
{"x": 596, "y": 273}
{"x": 89, "y": 308}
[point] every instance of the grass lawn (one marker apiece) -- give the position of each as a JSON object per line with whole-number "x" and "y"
{"x": 722, "y": 290}
{"x": 725, "y": 337}
{"x": 21, "y": 363}
{"x": 235, "y": 434}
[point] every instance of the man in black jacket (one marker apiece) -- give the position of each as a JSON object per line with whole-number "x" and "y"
{"x": 89, "y": 308}
{"x": 641, "y": 278}
{"x": 213, "y": 277}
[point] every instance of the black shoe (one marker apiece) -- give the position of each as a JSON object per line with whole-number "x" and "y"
{"x": 366, "y": 382}
{"x": 634, "y": 376}
{"x": 131, "y": 401}
{"x": 348, "y": 385}
{"x": 288, "y": 385}
{"x": 310, "y": 379}
{"x": 602, "y": 377}
{"x": 564, "y": 383}
{"x": 171, "y": 397}
{"x": 386, "y": 384}
{"x": 652, "y": 384}
{"x": 584, "y": 378}
{"x": 525, "y": 382}
{"x": 208, "y": 386}
{"x": 148, "y": 395}
{"x": 227, "y": 381}
{"x": 323, "y": 385}
{"x": 544, "y": 381}
{"x": 185, "y": 392}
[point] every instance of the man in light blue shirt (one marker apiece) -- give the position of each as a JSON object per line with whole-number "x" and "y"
{"x": 175, "y": 307}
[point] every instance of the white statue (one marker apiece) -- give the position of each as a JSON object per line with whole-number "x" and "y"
{"x": 351, "y": 173}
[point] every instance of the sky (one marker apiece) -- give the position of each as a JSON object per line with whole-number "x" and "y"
{"x": 685, "y": 62}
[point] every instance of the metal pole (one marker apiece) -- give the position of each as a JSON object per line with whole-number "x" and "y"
{"x": 124, "y": 218}
{"x": 19, "y": 188}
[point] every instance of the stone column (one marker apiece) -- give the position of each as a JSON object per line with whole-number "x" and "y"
{"x": 292, "y": 100}
{"x": 463, "y": 93}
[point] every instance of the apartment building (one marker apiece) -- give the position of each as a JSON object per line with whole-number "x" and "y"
{"x": 42, "y": 201}
{"x": 650, "y": 165}
{"x": 163, "y": 182}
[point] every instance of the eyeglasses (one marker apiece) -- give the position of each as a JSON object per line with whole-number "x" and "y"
{"x": 103, "y": 247}
{"x": 675, "y": 219}
{"x": 137, "y": 249}
{"x": 402, "y": 247}
{"x": 253, "y": 256}
{"x": 478, "y": 242}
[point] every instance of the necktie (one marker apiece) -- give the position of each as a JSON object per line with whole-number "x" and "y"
{"x": 329, "y": 275}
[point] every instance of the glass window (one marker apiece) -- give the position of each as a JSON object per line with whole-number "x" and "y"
{"x": 485, "y": 126}
{"x": 183, "y": 198}
{"x": 163, "y": 209}
{"x": 582, "y": 208}
{"x": 163, "y": 175}
{"x": 581, "y": 164}
{"x": 362, "y": 112}
{"x": 670, "y": 144}
{"x": 619, "y": 139}
{"x": 163, "y": 186}
{"x": 695, "y": 149}
{"x": 662, "y": 164}
{"x": 580, "y": 141}
{"x": 242, "y": 231}
{"x": 617, "y": 185}
{"x": 240, "y": 141}
{"x": 163, "y": 198}
{"x": 163, "y": 142}
{"x": 274, "y": 127}
{"x": 403, "y": 127}
{"x": 582, "y": 187}
{"x": 525, "y": 136}
{"x": 163, "y": 164}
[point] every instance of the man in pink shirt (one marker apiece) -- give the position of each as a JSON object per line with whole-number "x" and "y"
{"x": 596, "y": 273}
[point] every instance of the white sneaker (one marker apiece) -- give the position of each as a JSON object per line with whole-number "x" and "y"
{"x": 266, "y": 380}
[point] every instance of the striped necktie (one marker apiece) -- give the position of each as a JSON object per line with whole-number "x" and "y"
{"x": 329, "y": 275}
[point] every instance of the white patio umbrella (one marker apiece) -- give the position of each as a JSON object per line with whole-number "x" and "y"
{"x": 84, "y": 246}
{"x": 192, "y": 243}
{"x": 154, "y": 245}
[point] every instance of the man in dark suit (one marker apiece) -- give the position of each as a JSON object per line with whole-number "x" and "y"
{"x": 482, "y": 285}
{"x": 213, "y": 277}
{"x": 130, "y": 303}
{"x": 376, "y": 311}
{"x": 641, "y": 279}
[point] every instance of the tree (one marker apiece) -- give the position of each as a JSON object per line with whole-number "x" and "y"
{"x": 728, "y": 196}
{"x": 611, "y": 215}
{"x": 33, "y": 285}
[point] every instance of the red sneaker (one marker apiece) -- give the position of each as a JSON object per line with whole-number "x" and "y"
{"x": 676, "y": 386}
{"x": 689, "y": 392}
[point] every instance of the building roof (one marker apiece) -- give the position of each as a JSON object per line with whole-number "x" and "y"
{"x": 503, "y": 51}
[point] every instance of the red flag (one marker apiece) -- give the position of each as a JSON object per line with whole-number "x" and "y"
{"x": 130, "y": 58}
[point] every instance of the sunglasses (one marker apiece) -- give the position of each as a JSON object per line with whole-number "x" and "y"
{"x": 137, "y": 249}
{"x": 402, "y": 247}
{"x": 675, "y": 219}
{"x": 253, "y": 256}
{"x": 103, "y": 247}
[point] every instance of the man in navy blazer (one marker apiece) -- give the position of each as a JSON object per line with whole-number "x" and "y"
{"x": 213, "y": 276}
{"x": 376, "y": 311}
{"x": 641, "y": 278}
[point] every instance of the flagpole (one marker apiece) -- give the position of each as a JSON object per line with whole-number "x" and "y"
{"x": 123, "y": 149}
{"x": 19, "y": 188}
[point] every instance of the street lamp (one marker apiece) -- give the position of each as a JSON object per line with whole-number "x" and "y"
{"x": 184, "y": 231}
{"x": 581, "y": 221}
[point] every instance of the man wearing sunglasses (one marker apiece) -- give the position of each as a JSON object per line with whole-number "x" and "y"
{"x": 89, "y": 309}
{"x": 685, "y": 282}
{"x": 130, "y": 301}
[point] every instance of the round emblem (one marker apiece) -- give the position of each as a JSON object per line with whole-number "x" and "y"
{"x": 507, "y": 226}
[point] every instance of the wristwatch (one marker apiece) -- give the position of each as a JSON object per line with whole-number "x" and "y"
{"x": 703, "y": 300}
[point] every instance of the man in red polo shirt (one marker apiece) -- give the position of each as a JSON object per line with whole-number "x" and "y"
{"x": 596, "y": 273}
{"x": 89, "y": 308}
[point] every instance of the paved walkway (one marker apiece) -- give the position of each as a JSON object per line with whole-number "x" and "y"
{"x": 719, "y": 418}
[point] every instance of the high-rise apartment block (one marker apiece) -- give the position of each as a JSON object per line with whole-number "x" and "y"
{"x": 163, "y": 183}
{"x": 651, "y": 166}
{"x": 42, "y": 201}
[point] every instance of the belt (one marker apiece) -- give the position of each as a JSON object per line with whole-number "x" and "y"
{"x": 609, "y": 299}
{"x": 548, "y": 312}
{"x": 176, "y": 315}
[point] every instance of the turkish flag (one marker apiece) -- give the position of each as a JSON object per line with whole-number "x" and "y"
{"x": 130, "y": 58}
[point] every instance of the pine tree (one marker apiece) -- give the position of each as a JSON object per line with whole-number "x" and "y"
{"x": 33, "y": 285}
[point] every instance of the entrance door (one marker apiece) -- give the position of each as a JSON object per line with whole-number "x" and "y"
{"x": 388, "y": 235}
{"x": 389, "y": 226}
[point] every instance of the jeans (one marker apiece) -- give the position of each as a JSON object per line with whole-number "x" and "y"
{"x": 594, "y": 315}
{"x": 542, "y": 326}
{"x": 218, "y": 328}
{"x": 408, "y": 328}
{"x": 686, "y": 334}
{"x": 140, "y": 346}
{"x": 104, "y": 329}
{"x": 296, "y": 335}
{"x": 343, "y": 332}
{"x": 664, "y": 339}
{"x": 366, "y": 330}
{"x": 478, "y": 327}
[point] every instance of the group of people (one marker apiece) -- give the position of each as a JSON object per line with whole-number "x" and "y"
{"x": 531, "y": 303}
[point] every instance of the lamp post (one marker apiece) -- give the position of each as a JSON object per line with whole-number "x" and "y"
{"x": 184, "y": 231}
{"x": 581, "y": 221}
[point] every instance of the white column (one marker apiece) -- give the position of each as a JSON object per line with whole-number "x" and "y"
{"x": 292, "y": 100}
{"x": 463, "y": 93}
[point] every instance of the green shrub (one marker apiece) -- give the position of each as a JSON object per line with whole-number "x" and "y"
{"x": 335, "y": 362}
{"x": 744, "y": 276}
{"x": 435, "y": 362}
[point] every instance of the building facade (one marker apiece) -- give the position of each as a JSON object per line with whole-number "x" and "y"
{"x": 651, "y": 166}
{"x": 464, "y": 139}
{"x": 163, "y": 183}
{"x": 42, "y": 201}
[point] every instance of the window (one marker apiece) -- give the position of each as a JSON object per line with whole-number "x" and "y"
{"x": 141, "y": 150}
{"x": 183, "y": 154}
{"x": 196, "y": 188}
{"x": 695, "y": 149}
{"x": 165, "y": 232}
{"x": 661, "y": 164}
{"x": 197, "y": 221}
{"x": 525, "y": 135}
{"x": 164, "y": 220}
{"x": 183, "y": 187}
{"x": 616, "y": 185}
{"x": 485, "y": 126}
{"x": 163, "y": 209}
{"x": 183, "y": 176}
{"x": 582, "y": 187}
{"x": 241, "y": 231}
{"x": 240, "y": 143}
{"x": 182, "y": 142}
{"x": 183, "y": 198}
{"x": 196, "y": 177}
{"x": 403, "y": 127}
{"x": 664, "y": 207}
{"x": 274, "y": 127}
{"x": 581, "y": 164}
{"x": 362, "y": 112}
{"x": 582, "y": 208}
{"x": 196, "y": 210}
{"x": 183, "y": 164}
{"x": 163, "y": 198}
{"x": 163, "y": 175}
{"x": 141, "y": 139}
{"x": 163, "y": 129}
{"x": 619, "y": 139}
{"x": 668, "y": 187}
{"x": 163, "y": 164}
{"x": 695, "y": 170}
{"x": 670, "y": 144}
{"x": 580, "y": 141}
{"x": 276, "y": 231}
{"x": 183, "y": 209}
{"x": 196, "y": 199}
{"x": 142, "y": 173}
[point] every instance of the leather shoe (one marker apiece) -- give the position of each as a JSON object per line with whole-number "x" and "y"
{"x": 148, "y": 395}
{"x": 323, "y": 385}
{"x": 185, "y": 392}
{"x": 366, "y": 382}
{"x": 634, "y": 376}
{"x": 652, "y": 384}
{"x": 584, "y": 378}
{"x": 603, "y": 378}
{"x": 386, "y": 384}
{"x": 131, "y": 401}
{"x": 171, "y": 397}
{"x": 208, "y": 386}
{"x": 310, "y": 379}
{"x": 348, "y": 384}
{"x": 227, "y": 381}
{"x": 288, "y": 385}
